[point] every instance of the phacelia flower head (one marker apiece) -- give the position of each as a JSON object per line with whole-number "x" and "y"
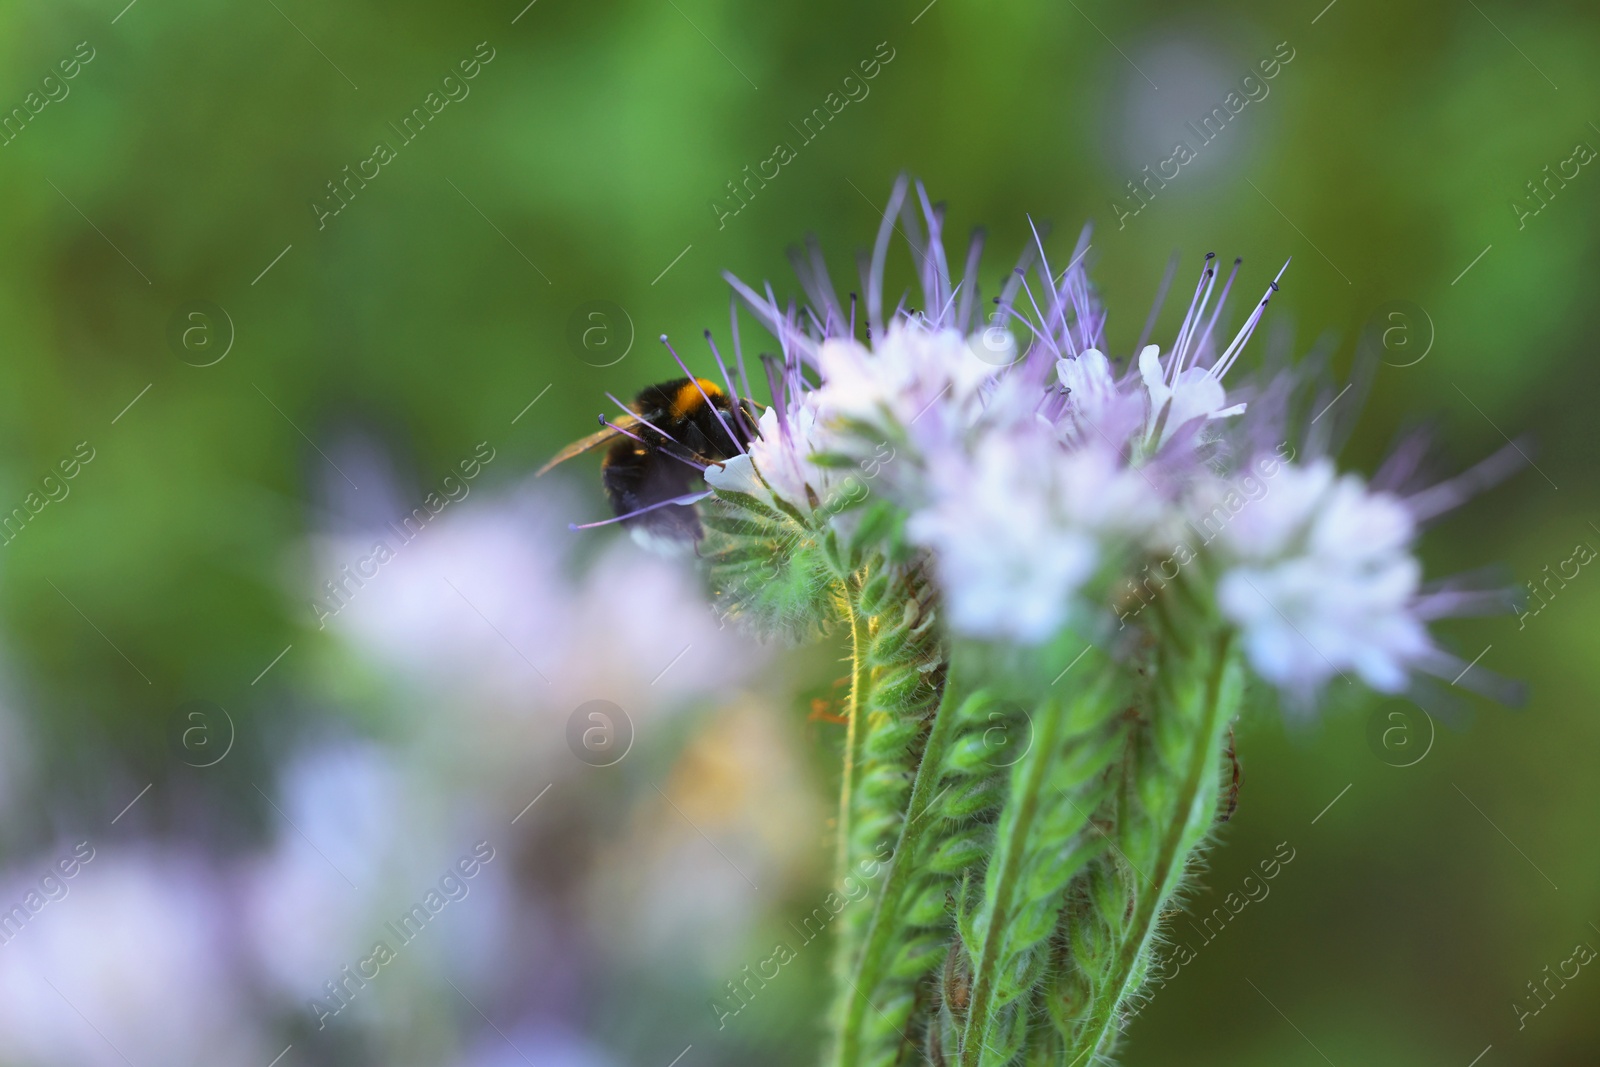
{"x": 1323, "y": 582}
{"x": 1320, "y": 576}
{"x": 1033, "y": 474}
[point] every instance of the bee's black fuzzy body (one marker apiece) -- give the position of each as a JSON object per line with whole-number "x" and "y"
{"x": 645, "y": 461}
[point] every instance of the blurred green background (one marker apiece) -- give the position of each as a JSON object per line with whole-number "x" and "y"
{"x": 584, "y": 165}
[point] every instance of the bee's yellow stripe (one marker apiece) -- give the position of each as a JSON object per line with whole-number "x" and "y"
{"x": 689, "y": 399}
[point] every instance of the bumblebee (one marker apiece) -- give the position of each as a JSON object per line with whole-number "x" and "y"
{"x": 658, "y": 453}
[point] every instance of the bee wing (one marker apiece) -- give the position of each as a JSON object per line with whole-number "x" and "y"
{"x": 594, "y": 440}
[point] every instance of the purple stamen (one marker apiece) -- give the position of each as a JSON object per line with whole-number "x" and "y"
{"x": 1042, "y": 334}
{"x": 1396, "y": 472}
{"x": 1057, "y": 310}
{"x": 645, "y": 421}
{"x": 1440, "y": 498}
{"x": 821, "y": 328}
{"x": 1216, "y": 312}
{"x": 1008, "y": 293}
{"x": 1225, "y": 362}
{"x": 782, "y": 323}
{"x": 738, "y": 405}
{"x": 654, "y": 448}
{"x": 880, "y": 252}
{"x": 1073, "y": 289}
{"x": 970, "y": 274}
{"x": 1457, "y": 603}
{"x": 796, "y": 379}
{"x": 714, "y": 409}
{"x": 685, "y": 500}
{"x": 779, "y": 393}
{"x": 766, "y": 310}
{"x": 738, "y": 350}
{"x": 819, "y": 269}
{"x": 940, "y": 267}
{"x": 1014, "y": 313}
{"x": 1186, "y": 345}
{"x": 810, "y": 280}
{"x": 1206, "y": 274}
{"x": 803, "y": 347}
{"x": 944, "y": 312}
{"x": 1161, "y": 298}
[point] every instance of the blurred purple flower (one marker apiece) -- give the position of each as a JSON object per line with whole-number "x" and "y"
{"x": 137, "y": 963}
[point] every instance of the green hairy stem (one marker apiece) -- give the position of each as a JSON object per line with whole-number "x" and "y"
{"x": 1021, "y": 907}
{"x": 1170, "y": 788}
{"x": 1044, "y": 838}
{"x": 859, "y": 628}
{"x": 1016, "y": 888}
{"x": 904, "y": 666}
{"x": 941, "y": 834}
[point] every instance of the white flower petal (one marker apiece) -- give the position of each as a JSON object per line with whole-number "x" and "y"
{"x": 1017, "y": 528}
{"x": 1323, "y": 583}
